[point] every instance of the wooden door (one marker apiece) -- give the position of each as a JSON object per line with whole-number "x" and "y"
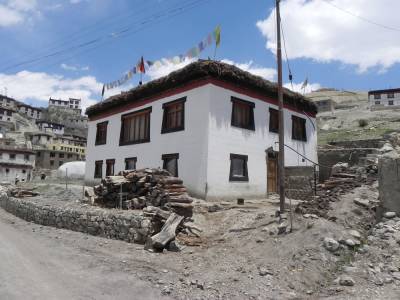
{"x": 272, "y": 175}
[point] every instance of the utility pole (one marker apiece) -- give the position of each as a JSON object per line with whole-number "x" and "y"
{"x": 281, "y": 157}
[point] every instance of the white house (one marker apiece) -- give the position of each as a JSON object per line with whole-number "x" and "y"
{"x": 47, "y": 126}
{"x": 30, "y": 111}
{"x": 212, "y": 124}
{"x": 70, "y": 103}
{"x": 7, "y": 114}
{"x": 384, "y": 99}
{"x": 16, "y": 161}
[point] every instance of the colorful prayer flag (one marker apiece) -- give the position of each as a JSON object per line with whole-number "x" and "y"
{"x": 217, "y": 35}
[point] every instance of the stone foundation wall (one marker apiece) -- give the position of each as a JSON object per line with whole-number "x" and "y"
{"x": 113, "y": 224}
{"x": 299, "y": 182}
{"x": 389, "y": 185}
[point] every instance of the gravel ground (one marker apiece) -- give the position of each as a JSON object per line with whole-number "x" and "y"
{"x": 239, "y": 256}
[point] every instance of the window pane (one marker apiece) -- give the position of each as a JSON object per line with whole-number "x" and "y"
{"x": 170, "y": 166}
{"x": 238, "y": 167}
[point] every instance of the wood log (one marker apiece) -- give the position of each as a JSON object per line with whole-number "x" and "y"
{"x": 180, "y": 200}
{"x": 166, "y": 235}
{"x": 171, "y": 180}
{"x": 176, "y": 190}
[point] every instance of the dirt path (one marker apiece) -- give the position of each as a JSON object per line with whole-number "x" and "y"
{"x": 45, "y": 263}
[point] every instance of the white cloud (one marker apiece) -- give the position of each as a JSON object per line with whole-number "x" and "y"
{"x": 315, "y": 29}
{"x": 167, "y": 67}
{"x": 39, "y": 86}
{"x": 266, "y": 73}
{"x": 15, "y": 12}
{"x": 297, "y": 87}
{"x": 74, "y": 68}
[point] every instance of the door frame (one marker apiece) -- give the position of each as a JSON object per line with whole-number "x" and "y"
{"x": 274, "y": 156}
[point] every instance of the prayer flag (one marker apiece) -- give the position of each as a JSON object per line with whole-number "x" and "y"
{"x": 217, "y": 35}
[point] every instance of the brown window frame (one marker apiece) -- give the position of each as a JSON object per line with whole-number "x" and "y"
{"x": 98, "y": 173}
{"x": 110, "y": 162}
{"x": 101, "y": 133}
{"x": 273, "y": 120}
{"x": 243, "y": 178}
{"x": 166, "y": 115}
{"x": 129, "y": 159}
{"x": 131, "y": 115}
{"x": 296, "y": 134}
{"x": 236, "y": 103}
{"x": 166, "y": 157}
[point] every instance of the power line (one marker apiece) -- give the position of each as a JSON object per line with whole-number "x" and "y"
{"x": 362, "y": 18}
{"x": 122, "y": 32}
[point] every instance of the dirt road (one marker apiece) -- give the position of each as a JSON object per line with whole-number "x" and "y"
{"x": 34, "y": 265}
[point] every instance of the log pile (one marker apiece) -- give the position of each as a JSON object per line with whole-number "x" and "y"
{"x": 137, "y": 189}
{"x": 22, "y": 193}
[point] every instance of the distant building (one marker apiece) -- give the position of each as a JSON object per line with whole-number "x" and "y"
{"x": 47, "y": 126}
{"x": 7, "y": 114}
{"x": 30, "y": 111}
{"x": 71, "y": 103}
{"x": 7, "y": 102}
{"x": 16, "y": 161}
{"x": 384, "y": 99}
{"x": 325, "y": 105}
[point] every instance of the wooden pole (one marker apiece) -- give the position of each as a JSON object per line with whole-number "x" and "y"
{"x": 281, "y": 160}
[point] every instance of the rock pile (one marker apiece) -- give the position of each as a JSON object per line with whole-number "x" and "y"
{"x": 137, "y": 189}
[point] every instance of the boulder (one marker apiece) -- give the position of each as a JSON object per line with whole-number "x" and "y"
{"x": 346, "y": 281}
{"x": 331, "y": 244}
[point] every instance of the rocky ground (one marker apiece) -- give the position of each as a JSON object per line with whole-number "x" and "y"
{"x": 244, "y": 253}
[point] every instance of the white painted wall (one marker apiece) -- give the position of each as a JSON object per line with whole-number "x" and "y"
{"x": 384, "y": 100}
{"x": 225, "y": 139}
{"x": 205, "y": 145}
{"x": 191, "y": 144}
{"x": 16, "y": 171}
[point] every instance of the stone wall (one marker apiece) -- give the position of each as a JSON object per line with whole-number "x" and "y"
{"x": 299, "y": 182}
{"x": 389, "y": 185}
{"x": 122, "y": 225}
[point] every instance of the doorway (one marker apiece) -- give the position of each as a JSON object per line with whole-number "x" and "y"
{"x": 272, "y": 172}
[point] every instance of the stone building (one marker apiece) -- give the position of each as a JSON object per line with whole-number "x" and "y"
{"x": 30, "y": 111}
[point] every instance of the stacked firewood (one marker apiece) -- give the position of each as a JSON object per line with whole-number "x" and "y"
{"x": 137, "y": 189}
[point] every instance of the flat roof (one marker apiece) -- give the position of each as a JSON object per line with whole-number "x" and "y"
{"x": 203, "y": 69}
{"x": 396, "y": 90}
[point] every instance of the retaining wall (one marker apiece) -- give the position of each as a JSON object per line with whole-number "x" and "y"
{"x": 389, "y": 185}
{"x": 122, "y": 225}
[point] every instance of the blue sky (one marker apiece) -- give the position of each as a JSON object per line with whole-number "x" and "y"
{"x": 327, "y": 45}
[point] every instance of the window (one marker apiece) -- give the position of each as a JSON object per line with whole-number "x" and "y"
{"x": 98, "y": 169}
{"x": 170, "y": 163}
{"x": 390, "y": 95}
{"x": 23, "y": 171}
{"x": 377, "y": 96}
{"x": 69, "y": 155}
{"x": 7, "y": 171}
{"x": 101, "y": 133}
{"x": 377, "y": 102}
{"x": 390, "y": 102}
{"x": 60, "y": 163}
{"x": 135, "y": 127}
{"x": 273, "y": 120}
{"x": 38, "y": 154}
{"x": 130, "y": 163}
{"x": 174, "y": 116}
{"x": 242, "y": 114}
{"x": 26, "y": 156}
{"x": 52, "y": 154}
{"x": 299, "y": 129}
{"x": 52, "y": 163}
{"x": 238, "y": 170}
{"x": 12, "y": 156}
{"x": 9, "y": 113}
{"x": 61, "y": 155}
{"x": 110, "y": 167}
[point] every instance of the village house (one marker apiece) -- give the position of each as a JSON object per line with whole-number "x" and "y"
{"x": 7, "y": 102}
{"x": 16, "y": 161}
{"x": 7, "y": 114}
{"x": 384, "y": 99}
{"x": 210, "y": 123}
{"x": 47, "y": 126}
{"x": 30, "y": 111}
{"x": 70, "y": 104}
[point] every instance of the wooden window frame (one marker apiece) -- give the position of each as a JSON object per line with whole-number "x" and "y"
{"x": 126, "y": 162}
{"x": 271, "y": 128}
{"x": 165, "y": 107}
{"x": 251, "y": 106}
{"x": 166, "y": 157}
{"x": 98, "y": 140}
{"x": 132, "y": 114}
{"x": 304, "y": 125}
{"x": 98, "y": 162}
{"x": 244, "y": 178}
{"x": 111, "y": 162}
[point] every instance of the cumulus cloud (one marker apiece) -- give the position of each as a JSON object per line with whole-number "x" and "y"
{"x": 15, "y": 12}
{"x": 40, "y": 86}
{"x": 298, "y": 87}
{"x": 74, "y": 68}
{"x": 317, "y": 30}
{"x": 167, "y": 67}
